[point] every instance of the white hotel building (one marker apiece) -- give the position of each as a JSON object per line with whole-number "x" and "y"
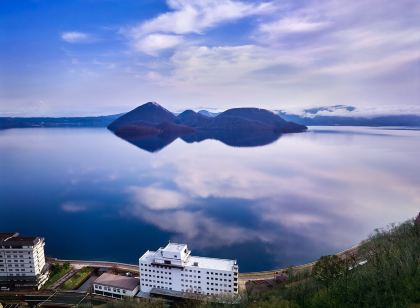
{"x": 22, "y": 261}
{"x": 172, "y": 270}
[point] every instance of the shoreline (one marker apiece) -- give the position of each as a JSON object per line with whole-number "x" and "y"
{"x": 243, "y": 277}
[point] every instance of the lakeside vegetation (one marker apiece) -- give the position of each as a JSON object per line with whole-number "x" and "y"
{"x": 385, "y": 272}
{"x": 77, "y": 279}
{"x": 57, "y": 271}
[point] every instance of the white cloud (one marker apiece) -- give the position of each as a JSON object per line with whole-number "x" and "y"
{"x": 75, "y": 37}
{"x": 343, "y": 50}
{"x": 373, "y": 66}
{"x": 228, "y": 65}
{"x": 153, "y": 43}
{"x": 224, "y": 64}
{"x": 292, "y": 25}
{"x": 195, "y": 16}
{"x": 287, "y": 53}
{"x": 154, "y": 76}
{"x": 186, "y": 17}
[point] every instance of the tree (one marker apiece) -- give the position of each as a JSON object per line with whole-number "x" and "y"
{"x": 114, "y": 270}
{"x": 328, "y": 268}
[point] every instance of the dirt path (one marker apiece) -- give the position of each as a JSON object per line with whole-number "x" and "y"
{"x": 78, "y": 264}
{"x": 63, "y": 279}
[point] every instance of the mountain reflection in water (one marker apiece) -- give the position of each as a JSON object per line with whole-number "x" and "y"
{"x": 236, "y": 138}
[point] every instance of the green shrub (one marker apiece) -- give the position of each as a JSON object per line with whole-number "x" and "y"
{"x": 56, "y": 272}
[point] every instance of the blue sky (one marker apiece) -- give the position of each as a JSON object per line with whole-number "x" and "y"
{"x": 107, "y": 56}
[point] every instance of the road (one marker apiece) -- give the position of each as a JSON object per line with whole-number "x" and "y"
{"x": 270, "y": 275}
{"x": 78, "y": 264}
{"x": 243, "y": 277}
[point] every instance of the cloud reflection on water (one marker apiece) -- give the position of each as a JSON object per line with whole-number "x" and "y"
{"x": 304, "y": 187}
{"x": 289, "y": 202}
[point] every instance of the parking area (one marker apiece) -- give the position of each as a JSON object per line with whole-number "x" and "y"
{"x": 86, "y": 286}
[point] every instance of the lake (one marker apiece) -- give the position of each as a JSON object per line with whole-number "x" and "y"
{"x": 95, "y": 196}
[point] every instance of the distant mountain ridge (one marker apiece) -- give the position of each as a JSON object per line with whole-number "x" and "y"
{"x": 20, "y": 122}
{"x": 193, "y": 119}
{"x": 317, "y": 116}
{"x": 208, "y": 113}
{"x": 391, "y": 120}
{"x": 327, "y": 116}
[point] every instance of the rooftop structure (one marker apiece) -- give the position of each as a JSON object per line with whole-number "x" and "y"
{"x": 188, "y": 260}
{"x": 7, "y": 235}
{"x": 15, "y": 240}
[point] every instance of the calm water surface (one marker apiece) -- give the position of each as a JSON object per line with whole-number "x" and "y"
{"x": 93, "y": 195}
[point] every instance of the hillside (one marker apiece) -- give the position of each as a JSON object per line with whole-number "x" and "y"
{"x": 384, "y": 272}
{"x": 149, "y": 114}
{"x": 267, "y": 118}
{"x": 193, "y": 119}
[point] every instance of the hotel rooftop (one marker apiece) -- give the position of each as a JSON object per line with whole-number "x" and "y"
{"x": 117, "y": 281}
{"x": 14, "y": 239}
